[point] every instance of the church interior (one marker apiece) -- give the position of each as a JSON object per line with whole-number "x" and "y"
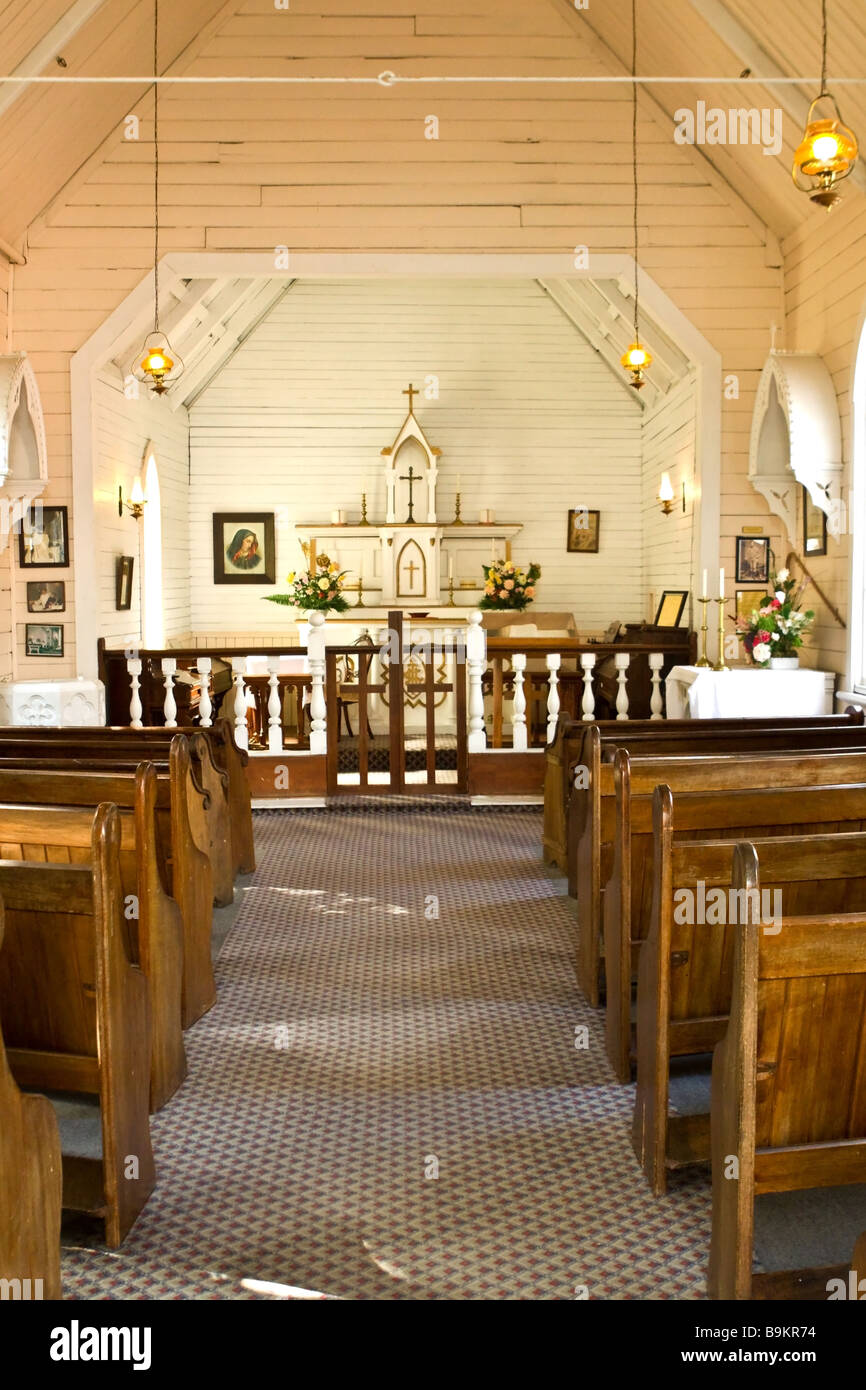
{"x": 433, "y": 651}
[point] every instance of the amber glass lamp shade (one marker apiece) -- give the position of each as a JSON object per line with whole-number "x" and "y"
{"x": 825, "y": 156}
{"x": 636, "y": 359}
{"x": 157, "y": 364}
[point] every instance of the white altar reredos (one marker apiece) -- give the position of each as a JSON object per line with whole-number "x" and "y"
{"x": 413, "y": 557}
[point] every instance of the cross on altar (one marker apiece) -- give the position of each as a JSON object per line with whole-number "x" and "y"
{"x": 411, "y": 567}
{"x": 410, "y": 393}
{"x": 411, "y": 478}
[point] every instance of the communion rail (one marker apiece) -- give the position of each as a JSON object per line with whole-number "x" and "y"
{"x": 534, "y": 680}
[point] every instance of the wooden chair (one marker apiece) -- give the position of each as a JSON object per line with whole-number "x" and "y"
{"x": 789, "y": 1078}
{"x": 154, "y": 921}
{"x": 31, "y": 1182}
{"x": 184, "y": 847}
{"x": 76, "y": 1017}
{"x": 719, "y": 799}
{"x": 684, "y": 975}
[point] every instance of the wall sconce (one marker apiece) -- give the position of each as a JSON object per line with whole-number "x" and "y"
{"x": 136, "y": 504}
{"x": 666, "y": 494}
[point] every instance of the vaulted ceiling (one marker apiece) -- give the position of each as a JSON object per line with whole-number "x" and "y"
{"x": 47, "y": 133}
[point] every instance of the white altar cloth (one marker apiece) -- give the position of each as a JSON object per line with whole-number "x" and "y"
{"x": 698, "y": 693}
{"x": 65, "y": 704}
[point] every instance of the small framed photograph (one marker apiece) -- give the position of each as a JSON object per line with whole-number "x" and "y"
{"x": 123, "y": 597}
{"x": 814, "y": 527}
{"x": 43, "y": 538}
{"x": 46, "y": 596}
{"x": 583, "y": 526}
{"x": 746, "y": 602}
{"x": 244, "y": 548}
{"x": 43, "y": 639}
{"x": 753, "y": 559}
{"x": 670, "y": 608}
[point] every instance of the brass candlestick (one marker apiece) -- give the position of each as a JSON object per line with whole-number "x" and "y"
{"x": 360, "y": 603}
{"x": 458, "y": 520}
{"x": 720, "y": 664}
{"x": 450, "y": 603}
{"x": 704, "y": 659}
{"x": 363, "y": 521}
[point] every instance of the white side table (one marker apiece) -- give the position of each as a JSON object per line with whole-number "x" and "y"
{"x": 697, "y": 692}
{"x": 61, "y": 703}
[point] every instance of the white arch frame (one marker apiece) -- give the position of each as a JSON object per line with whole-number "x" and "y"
{"x": 136, "y": 311}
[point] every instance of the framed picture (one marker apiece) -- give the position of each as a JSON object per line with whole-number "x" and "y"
{"x": 46, "y": 596}
{"x": 814, "y": 527}
{"x": 244, "y": 549}
{"x": 746, "y": 601}
{"x": 123, "y": 599}
{"x": 43, "y": 639}
{"x": 670, "y": 608}
{"x": 583, "y": 531}
{"x": 753, "y": 559}
{"x": 43, "y": 538}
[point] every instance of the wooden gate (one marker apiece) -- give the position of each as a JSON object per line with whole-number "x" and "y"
{"x": 423, "y": 677}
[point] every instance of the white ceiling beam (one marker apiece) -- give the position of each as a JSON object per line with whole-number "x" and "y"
{"x": 48, "y": 48}
{"x": 618, "y": 320}
{"x": 576, "y": 314}
{"x": 189, "y": 386}
{"x": 216, "y": 315}
{"x": 749, "y": 52}
{"x": 666, "y": 353}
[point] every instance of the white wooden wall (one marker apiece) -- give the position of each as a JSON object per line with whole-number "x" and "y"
{"x": 668, "y": 446}
{"x": 122, "y": 430}
{"x": 6, "y": 542}
{"x": 528, "y": 416}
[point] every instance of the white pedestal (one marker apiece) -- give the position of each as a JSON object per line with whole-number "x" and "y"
{"x": 61, "y": 703}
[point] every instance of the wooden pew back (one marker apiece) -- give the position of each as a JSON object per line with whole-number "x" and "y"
{"x": 76, "y": 1015}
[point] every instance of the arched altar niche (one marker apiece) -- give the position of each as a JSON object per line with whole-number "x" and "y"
{"x": 23, "y": 450}
{"x": 796, "y": 436}
{"x": 411, "y": 433}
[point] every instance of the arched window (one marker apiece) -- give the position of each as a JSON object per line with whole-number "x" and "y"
{"x": 857, "y": 521}
{"x": 152, "y": 619}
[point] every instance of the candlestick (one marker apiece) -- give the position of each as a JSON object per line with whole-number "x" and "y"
{"x": 360, "y": 603}
{"x": 364, "y": 521}
{"x": 720, "y": 664}
{"x": 451, "y": 603}
{"x": 458, "y": 520}
{"x": 704, "y": 659}
{"x": 704, "y": 588}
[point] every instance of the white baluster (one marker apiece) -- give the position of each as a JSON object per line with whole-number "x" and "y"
{"x": 656, "y": 662}
{"x": 621, "y": 659}
{"x": 553, "y": 662}
{"x": 518, "y": 724}
{"x": 476, "y": 656}
{"x": 169, "y": 707}
{"x": 587, "y": 661}
{"x": 275, "y": 707}
{"x": 242, "y": 734}
{"x": 316, "y": 659}
{"x": 205, "y": 704}
{"x": 133, "y": 666}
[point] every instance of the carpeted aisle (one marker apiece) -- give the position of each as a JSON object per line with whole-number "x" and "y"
{"x": 360, "y": 1045}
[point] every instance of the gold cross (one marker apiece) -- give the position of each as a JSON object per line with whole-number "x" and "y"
{"x": 410, "y": 393}
{"x": 411, "y": 567}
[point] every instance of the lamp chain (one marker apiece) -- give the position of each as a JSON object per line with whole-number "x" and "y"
{"x": 634, "y": 155}
{"x": 156, "y": 165}
{"x": 823, "y": 46}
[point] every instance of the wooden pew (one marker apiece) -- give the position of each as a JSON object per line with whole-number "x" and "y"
{"x": 789, "y": 1077}
{"x": 591, "y": 823}
{"x": 721, "y": 799}
{"x": 76, "y": 1016}
{"x": 206, "y": 783}
{"x": 184, "y": 844}
{"x": 63, "y": 835}
{"x": 684, "y": 976}
{"x": 31, "y": 1181}
{"x": 569, "y": 750}
{"x": 148, "y": 742}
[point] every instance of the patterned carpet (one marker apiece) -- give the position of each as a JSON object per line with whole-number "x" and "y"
{"x": 356, "y": 1046}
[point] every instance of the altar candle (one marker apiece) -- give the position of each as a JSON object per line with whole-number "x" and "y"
{"x": 450, "y": 567}
{"x": 704, "y": 590}
{"x": 458, "y": 483}
{"x": 721, "y": 583}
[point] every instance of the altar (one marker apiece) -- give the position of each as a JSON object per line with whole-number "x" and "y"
{"x": 412, "y": 559}
{"x": 694, "y": 692}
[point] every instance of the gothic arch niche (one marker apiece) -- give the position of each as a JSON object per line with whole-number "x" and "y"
{"x": 796, "y": 437}
{"x": 23, "y": 451}
{"x": 411, "y": 571}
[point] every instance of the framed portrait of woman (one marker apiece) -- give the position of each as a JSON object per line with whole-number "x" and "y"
{"x": 244, "y": 549}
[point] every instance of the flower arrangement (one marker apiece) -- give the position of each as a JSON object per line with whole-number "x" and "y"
{"x": 320, "y": 588}
{"x": 506, "y": 586}
{"x": 778, "y": 624}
